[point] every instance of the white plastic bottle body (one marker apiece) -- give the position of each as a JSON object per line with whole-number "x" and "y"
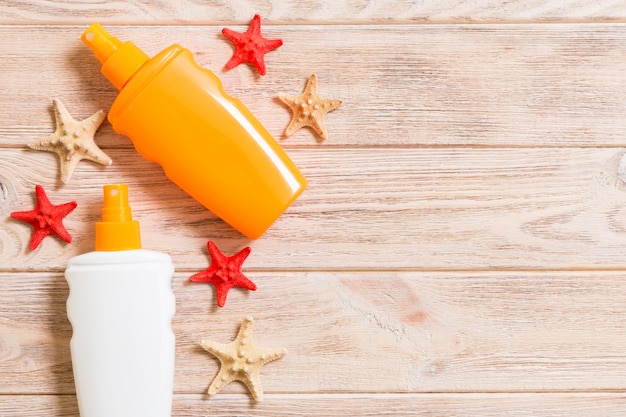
{"x": 121, "y": 307}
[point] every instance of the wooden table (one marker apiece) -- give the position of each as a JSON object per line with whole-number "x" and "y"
{"x": 460, "y": 250}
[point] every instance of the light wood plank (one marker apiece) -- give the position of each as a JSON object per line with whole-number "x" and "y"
{"x": 293, "y": 11}
{"x": 479, "y": 405}
{"x": 364, "y": 209}
{"x": 488, "y": 85}
{"x": 275, "y": 405}
{"x": 360, "y": 332}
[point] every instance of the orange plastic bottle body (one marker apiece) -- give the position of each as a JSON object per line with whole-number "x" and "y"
{"x": 178, "y": 115}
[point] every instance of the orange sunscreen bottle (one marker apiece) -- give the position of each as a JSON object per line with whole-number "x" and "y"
{"x": 178, "y": 115}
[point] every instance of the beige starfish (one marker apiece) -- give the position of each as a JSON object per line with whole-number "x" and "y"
{"x": 241, "y": 360}
{"x": 308, "y": 109}
{"x": 73, "y": 140}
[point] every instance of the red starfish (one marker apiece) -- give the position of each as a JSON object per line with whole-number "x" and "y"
{"x": 250, "y": 46}
{"x": 46, "y": 218}
{"x": 224, "y": 272}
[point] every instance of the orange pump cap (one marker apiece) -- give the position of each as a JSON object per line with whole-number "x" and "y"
{"x": 117, "y": 230}
{"x": 119, "y": 60}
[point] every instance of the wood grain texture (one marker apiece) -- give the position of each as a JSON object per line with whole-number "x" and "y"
{"x": 385, "y": 209}
{"x": 463, "y": 85}
{"x": 360, "y": 332}
{"x": 293, "y": 11}
{"x": 459, "y": 250}
{"x": 281, "y": 405}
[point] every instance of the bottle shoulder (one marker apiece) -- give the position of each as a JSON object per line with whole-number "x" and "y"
{"x": 120, "y": 257}
{"x": 144, "y": 75}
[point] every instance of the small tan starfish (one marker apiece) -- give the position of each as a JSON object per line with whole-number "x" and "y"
{"x": 308, "y": 109}
{"x": 73, "y": 140}
{"x": 241, "y": 360}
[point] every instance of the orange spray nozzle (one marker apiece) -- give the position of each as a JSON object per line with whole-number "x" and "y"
{"x": 120, "y": 60}
{"x": 117, "y": 230}
{"x": 100, "y": 42}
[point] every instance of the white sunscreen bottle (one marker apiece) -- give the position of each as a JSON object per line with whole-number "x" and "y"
{"x": 121, "y": 307}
